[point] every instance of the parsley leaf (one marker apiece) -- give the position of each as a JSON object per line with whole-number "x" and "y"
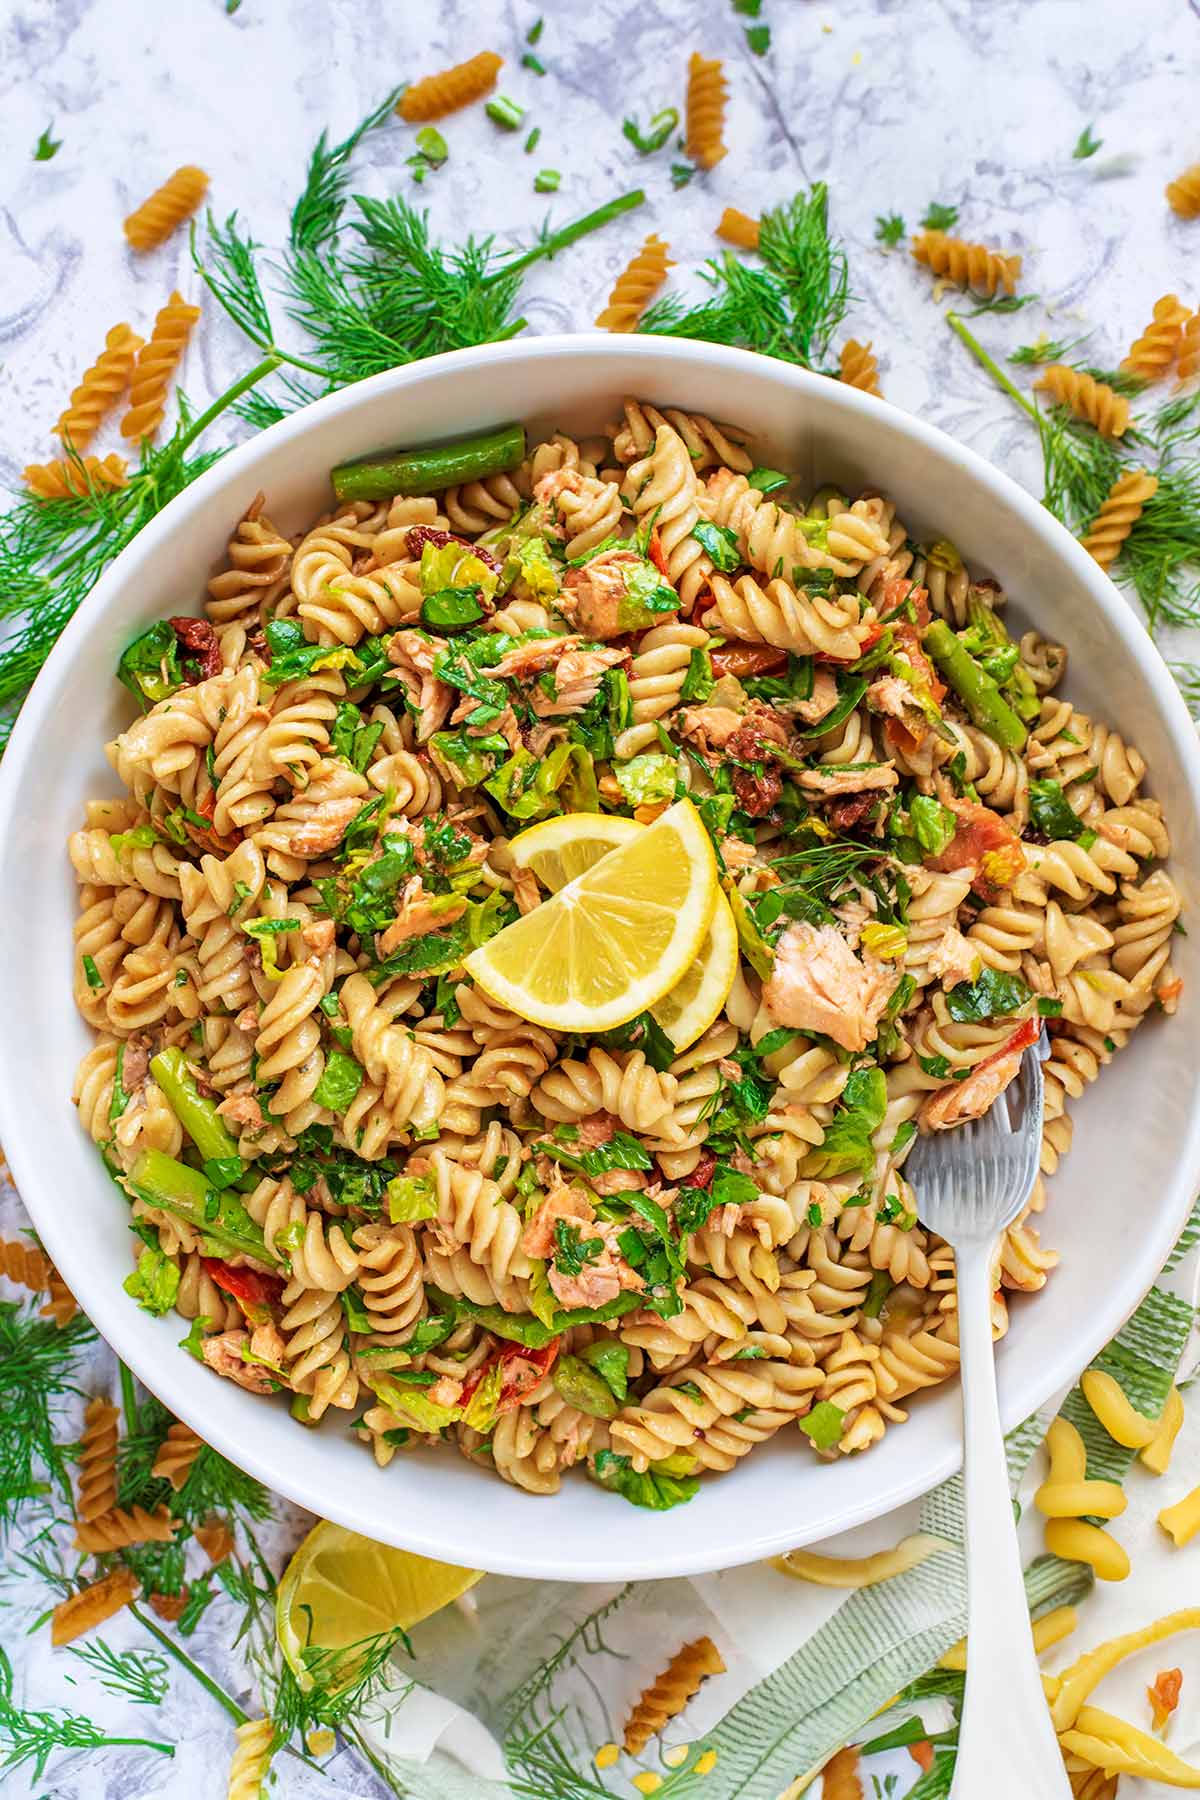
{"x": 992, "y": 995}
{"x": 889, "y": 229}
{"x": 1086, "y": 145}
{"x": 939, "y": 217}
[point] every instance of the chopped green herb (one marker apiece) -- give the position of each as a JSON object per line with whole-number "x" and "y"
{"x": 506, "y": 112}
{"x": 91, "y": 973}
{"x": 1086, "y": 145}
{"x": 533, "y": 35}
{"x": 660, "y": 1487}
{"x": 1052, "y": 813}
{"x": 534, "y": 63}
{"x": 532, "y": 141}
{"x": 939, "y": 217}
{"x": 824, "y": 1424}
{"x": 47, "y": 146}
{"x": 721, "y": 544}
{"x": 994, "y": 994}
{"x": 340, "y": 1081}
{"x": 546, "y": 181}
{"x": 681, "y": 174}
{"x": 758, "y": 39}
{"x": 154, "y": 1283}
{"x": 656, "y": 133}
{"x": 889, "y": 229}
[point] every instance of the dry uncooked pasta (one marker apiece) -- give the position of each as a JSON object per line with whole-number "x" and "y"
{"x": 632, "y": 290}
{"x": 155, "y": 219}
{"x": 1151, "y": 354}
{"x": 97, "y": 1461}
{"x": 739, "y": 228}
{"x": 436, "y": 95}
{"x": 1119, "y": 514}
{"x": 156, "y": 362}
{"x": 859, "y": 367}
{"x": 100, "y": 388}
{"x": 91, "y": 1606}
{"x": 1086, "y": 397}
{"x": 448, "y": 1224}
{"x": 670, "y": 1692}
{"x": 967, "y": 265}
{"x": 706, "y": 94}
{"x": 1183, "y": 194}
{"x": 176, "y": 1454}
{"x": 56, "y": 480}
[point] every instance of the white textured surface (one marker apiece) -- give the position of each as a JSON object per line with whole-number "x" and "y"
{"x": 898, "y": 102}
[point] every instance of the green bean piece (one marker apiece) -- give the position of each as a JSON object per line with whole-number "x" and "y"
{"x": 581, "y": 1387}
{"x": 983, "y": 700}
{"x": 220, "y": 1218}
{"x": 388, "y": 472}
{"x": 198, "y": 1115}
{"x": 1019, "y": 685}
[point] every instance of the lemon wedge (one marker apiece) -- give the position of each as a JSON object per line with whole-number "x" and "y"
{"x": 687, "y": 1011}
{"x": 340, "y": 1589}
{"x": 559, "y": 849}
{"x": 615, "y": 938}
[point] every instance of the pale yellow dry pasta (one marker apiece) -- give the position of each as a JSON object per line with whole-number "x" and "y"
{"x": 1076, "y": 1541}
{"x": 1112, "y": 1744}
{"x": 1086, "y": 1674}
{"x": 1181, "y": 1521}
{"x": 1066, "y": 1492}
{"x": 1108, "y": 1400}
{"x": 863, "y": 1571}
{"x": 1156, "y": 1455}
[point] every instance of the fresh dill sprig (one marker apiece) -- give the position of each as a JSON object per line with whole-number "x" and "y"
{"x": 1003, "y": 303}
{"x": 37, "y": 1368}
{"x": 939, "y": 218}
{"x": 366, "y": 283}
{"x": 788, "y": 308}
{"x": 1121, "y": 381}
{"x": 212, "y": 1484}
{"x": 143, "y": 1676}
{"x": 317, "y": 214}
{"x": 33, "y": 1737}
{"x": 1164, "y": 541}
{"x": 52, "y": 552}
{"x": 1045, "y": 350}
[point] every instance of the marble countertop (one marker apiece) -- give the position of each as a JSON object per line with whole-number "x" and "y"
{"x": 894, "y": 103}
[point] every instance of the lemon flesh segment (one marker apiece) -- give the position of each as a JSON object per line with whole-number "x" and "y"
{"x": 557, "y": 850}
{"x": 340, "y": 1588}
{"x": 616, "y": 938}
{"x": 687, "y": 1011}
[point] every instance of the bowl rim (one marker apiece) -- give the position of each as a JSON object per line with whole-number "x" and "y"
{"x": 109, "y": 1308}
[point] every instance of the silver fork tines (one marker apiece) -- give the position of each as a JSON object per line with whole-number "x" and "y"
{"x": 972, "y": 1181}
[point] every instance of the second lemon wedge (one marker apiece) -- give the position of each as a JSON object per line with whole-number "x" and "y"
{"x": 616, "y": 938}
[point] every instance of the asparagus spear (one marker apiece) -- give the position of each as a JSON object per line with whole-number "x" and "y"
{"x": 1026, "y": 700}
{"x": 983, "y": 700}
{"x": 388, "y": 472}
{"x": 220, "y": 1217}
{"x": 198, "y": 1116}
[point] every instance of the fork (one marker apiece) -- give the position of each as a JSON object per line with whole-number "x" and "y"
{"x": 971, "y": 1183}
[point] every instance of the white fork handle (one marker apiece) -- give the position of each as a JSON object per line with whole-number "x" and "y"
{"x": 1007, "y": 1744}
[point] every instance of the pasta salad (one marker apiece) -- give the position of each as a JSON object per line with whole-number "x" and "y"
{"x": 545, "y": 900}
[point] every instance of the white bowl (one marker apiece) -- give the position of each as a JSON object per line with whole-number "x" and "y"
{"x": 1115, "y": 1210}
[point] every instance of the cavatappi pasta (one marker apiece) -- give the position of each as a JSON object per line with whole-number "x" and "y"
{"x": 374, "y": 1189}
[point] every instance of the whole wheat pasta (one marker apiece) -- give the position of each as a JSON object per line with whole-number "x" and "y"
{"x": 176, "y": 1454}
{"x": 59, "y": 480}
{"x": 156, "y": 218}
{"x": 1189, "y": 349}
{"x": 450, "y": 89}
{"x": 1119, "y": 514}
{"x": 634, "y": 286}
{"x": 156, "y": 362}
{"x": 23, "y": 1263}
{"x": 100, "y": 387}
{"x": 1183, "y": 194}
{"x": 97, "y": 1461}
{"x": 858, "y": 366}
{"x": 121, "y": 1525}
{"x": 707, "y": 90}
{"x": 91, "y": 1606}
{"x": 1152, "y": 354}
{"x": 967, "y": 265}
{"x": 670, "y": 1692}
{"x": 738, "y": 228}
{"x": 316, "y": 820}
{"x": 1086, "y": 397}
